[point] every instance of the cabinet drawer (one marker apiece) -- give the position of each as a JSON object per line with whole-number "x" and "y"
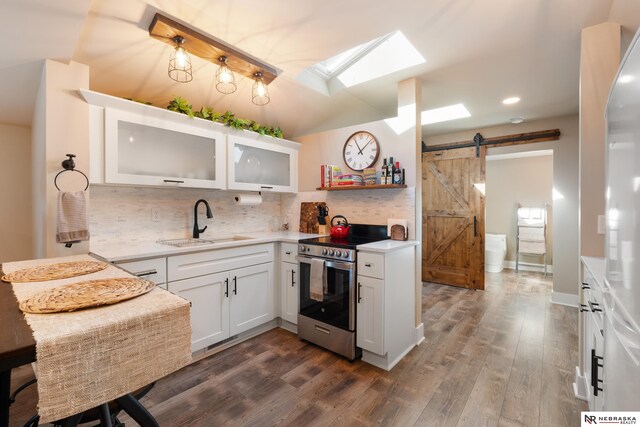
{"x": 288, "y": 252}
{"x": 200, "y": 263}
{"x": 371, "y": 265}
{"x": 151, "y": 269}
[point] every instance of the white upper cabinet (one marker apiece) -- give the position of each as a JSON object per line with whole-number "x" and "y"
{"x": 262, "y": 164}
{"x": 145, "y": 150}
{"x": 137, "y": 144}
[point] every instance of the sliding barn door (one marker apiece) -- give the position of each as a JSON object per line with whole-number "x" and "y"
{"x": 453, "y": 217}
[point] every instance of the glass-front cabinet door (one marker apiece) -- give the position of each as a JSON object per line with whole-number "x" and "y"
{"x": 147, "y": 150}
{"x": 262, "y": 164}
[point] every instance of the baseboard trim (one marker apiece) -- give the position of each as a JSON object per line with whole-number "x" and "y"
{"x": 418, "y": 335}
{"x": 569, "y": 300}
{"x": 527, "y": 266}
{"x": 580, "y": 389}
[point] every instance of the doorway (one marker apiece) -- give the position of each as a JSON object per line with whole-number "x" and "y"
{"x": 520, "y": 179}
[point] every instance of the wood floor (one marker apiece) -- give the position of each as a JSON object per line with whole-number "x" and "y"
{"x": 504, "y": 356}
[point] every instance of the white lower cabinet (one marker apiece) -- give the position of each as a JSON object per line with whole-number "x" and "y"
{"x": 251, "y": 296}
{"x": 209, "y": 307}
{"x": 370, "y": 315}
{"x": 230, "y": 290}
{"x": 385, "y": 308}
{"x": 289, "y": 292}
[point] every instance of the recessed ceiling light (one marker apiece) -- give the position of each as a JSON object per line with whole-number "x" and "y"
{"x": 512, "y": 100}
{"x": 626, "y": 78}
{"x": 516, "y": 120}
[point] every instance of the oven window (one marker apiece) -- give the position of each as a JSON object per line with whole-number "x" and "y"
{"x": 334, "y": 309}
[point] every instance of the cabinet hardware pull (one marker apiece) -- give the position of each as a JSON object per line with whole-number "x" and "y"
{"x": 266, "y": 187}
{"x": 235, "y": 285}
{"x": 359, "y": 297}
{"x": 583, "y": 308}
{"x": 594, "y": 304}
{"x": 146, "y": 273}
{"x": 174, "y": 181}
{"x": 226, "y": 287}
{"x": 288, "y": 252}
{"x": 475, "y": 226}
{"x": 293, "y": 278}
{"x": 323, "y": 330}
{"x": 594, "y": 372}
{"x": 585, "y": 286}
{"x": 367, "y": 265}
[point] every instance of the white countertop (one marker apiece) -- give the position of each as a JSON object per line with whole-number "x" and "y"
{"x": 597, "y": 268}
{"x": 387, "y": 245}
{"x": 128, "y": 251}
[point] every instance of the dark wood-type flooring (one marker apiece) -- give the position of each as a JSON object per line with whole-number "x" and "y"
{"x": 504, "y": 356}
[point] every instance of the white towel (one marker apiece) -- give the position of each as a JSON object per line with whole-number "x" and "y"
{"x": 72, "y": 224}
{"x": 317, "y": 280}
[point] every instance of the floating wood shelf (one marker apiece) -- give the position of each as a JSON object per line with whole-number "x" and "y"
{"x": 361, "y": 187}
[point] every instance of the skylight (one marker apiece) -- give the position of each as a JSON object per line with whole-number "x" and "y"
{"x": 405, "y": 120}
{"x": 393, "y": 54}
{"x": 371, "y": 60}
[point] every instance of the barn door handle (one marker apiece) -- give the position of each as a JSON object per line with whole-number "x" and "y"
{"x": 475, "y": 226}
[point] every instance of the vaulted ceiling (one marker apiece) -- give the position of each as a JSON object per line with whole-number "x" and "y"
{"x": 477, "y": 53}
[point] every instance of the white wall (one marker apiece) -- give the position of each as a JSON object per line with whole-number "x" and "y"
{"x": 599, "y": 61}
{"x": 60, "y": 126}
{"x": 565, "y": 181}
{"x": 16, "y": 231}
{"x": 359, "y": 206}
{"x": 524, "y": 180}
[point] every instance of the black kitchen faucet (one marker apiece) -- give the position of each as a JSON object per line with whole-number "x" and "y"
{"x": 196, "y": 230}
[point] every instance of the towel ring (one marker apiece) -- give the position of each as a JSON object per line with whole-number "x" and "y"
{"x": 69, "y": 166}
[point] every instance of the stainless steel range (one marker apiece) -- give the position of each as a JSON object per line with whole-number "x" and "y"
{"x": 327, "y": 315}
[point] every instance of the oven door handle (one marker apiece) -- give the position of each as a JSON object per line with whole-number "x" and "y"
{"x": 339, "y": 265}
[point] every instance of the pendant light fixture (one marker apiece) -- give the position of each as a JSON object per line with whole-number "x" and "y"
{"x": 225, "y": 80}
{"x": 180, "y": 62}
{"x": 259, "y": 93}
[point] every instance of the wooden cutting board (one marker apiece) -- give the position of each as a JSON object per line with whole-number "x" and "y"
{"x": 309, "y": 216}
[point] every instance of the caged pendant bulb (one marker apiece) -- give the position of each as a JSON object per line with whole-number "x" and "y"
{"x": 260, "y": 92}
{"x": 225, "y": 80}
{"x": 180, "y": 63}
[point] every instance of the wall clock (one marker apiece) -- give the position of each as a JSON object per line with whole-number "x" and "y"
{"x": 361, "y": 150}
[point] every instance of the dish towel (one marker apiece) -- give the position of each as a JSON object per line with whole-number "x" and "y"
{"x": 72, "y": 224}
{"x": 317, "y": 280}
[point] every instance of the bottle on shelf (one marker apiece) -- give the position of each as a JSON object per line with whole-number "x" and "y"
{"x": 383, "y": 175}
{"x": 397, "y": 174}
{"x": 390, "y": 169}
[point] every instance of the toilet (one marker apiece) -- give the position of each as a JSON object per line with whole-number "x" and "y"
{"x": 495, "y": 250}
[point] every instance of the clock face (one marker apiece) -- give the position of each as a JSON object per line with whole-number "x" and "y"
{"x": 361, "y": 151}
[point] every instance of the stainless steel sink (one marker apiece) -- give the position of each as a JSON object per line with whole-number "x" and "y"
{"x": 187, "y": 243}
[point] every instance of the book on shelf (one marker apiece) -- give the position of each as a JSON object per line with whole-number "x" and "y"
{"x": 328, "y": 174}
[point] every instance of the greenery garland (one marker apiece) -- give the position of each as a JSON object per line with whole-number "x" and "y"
{"x": 181, "y": 105}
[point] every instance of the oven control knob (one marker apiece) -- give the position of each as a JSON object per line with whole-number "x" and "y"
{"x": 324, "y": 252}
{"x": 302, "y": 248}
{"x": 331, "y": 252}
{"x": 345, "y": 254}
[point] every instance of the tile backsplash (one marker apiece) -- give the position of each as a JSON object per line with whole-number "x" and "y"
{"x": 359, "y": 207}
{"x": 124, "y": 214}
{"x": 119, "y": 213}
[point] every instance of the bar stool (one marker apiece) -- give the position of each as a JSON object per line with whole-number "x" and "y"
{"x": 106, "y": 413}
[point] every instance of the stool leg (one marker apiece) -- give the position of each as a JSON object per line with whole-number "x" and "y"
{"x": 73, "y": 420}
{"x": 136, "y": 411}
{"x": 5, "y": 397}
{"x": 105, "y": 416}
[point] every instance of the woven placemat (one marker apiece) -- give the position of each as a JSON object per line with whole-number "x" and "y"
{"x": 62, "y": 270}
{"x": 90, "y": 293}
